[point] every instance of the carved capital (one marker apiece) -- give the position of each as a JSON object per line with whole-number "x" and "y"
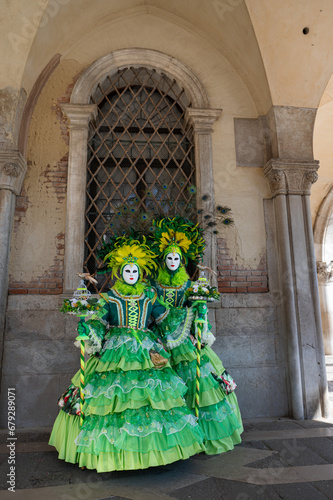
{"x": 325, "y": 272}
{"x": 287, "y": 177}
{"x": 79, "y": 115}
{"x": 13, "y": 168}
{"x": 202, "y": 119}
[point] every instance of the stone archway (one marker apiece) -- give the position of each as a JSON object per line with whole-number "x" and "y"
{"x": 79, "y": 112}
{"x": 323, "y": 240}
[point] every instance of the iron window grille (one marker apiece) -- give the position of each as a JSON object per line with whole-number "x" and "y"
{"x": 140, "y": 157}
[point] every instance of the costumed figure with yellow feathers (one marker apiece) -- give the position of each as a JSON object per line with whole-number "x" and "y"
{"x": 133, "y": 414}
{"x": 210, "y": 394}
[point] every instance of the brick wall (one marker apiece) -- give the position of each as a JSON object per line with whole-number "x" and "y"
{"x": 233, "y": 278}
{"x": 51, "y": 281}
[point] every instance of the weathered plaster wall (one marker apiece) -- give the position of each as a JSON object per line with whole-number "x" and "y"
{"x": 227, "y": 28}
{"x": 298, "y": 66}
{"x": 40, "y": 214}
{"x": 323, "y": 149}
{"x": 11, "y": 106}
{"x": 19, "y": 25}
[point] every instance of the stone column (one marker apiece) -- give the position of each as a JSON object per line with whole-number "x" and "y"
{"x": 325, "y": 282}
{"x": 290, "y": 184}
{"x": 79, "y": 116}
{"x": 202, "y": 122}
{"x": 12, "y": 171}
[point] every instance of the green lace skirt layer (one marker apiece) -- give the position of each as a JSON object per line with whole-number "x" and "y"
{"x": 128, "y": 349}
{"x": 136, "y": 439}
{"x": 135, "y": 413}
{"x": 140, "y": 430}
{"x": 218, "y": 368}
{"x": 213, "y": 359}
{"x": 219, "y": 415}
{"x": 112, "y": 392}
{"x": 130, "y": 440}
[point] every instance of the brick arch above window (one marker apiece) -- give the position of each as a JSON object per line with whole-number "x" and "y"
{"x": 79, "y": 113}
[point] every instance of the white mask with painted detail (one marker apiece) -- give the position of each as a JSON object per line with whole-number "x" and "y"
{"x": 130, "y": 274}
{"x": 172, "y": 261}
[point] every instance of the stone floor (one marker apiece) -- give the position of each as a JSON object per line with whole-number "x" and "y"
{"x": 278, "y": 459}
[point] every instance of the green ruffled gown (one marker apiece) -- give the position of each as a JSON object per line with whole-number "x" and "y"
{"x": 219, "y": 415}
{"x": 135, "y": 413}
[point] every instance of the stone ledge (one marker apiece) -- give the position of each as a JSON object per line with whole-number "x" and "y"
{"x": 53, "y": 302}
{"x": 33, "y": 302}
{"x": 40, "y": 325}
{"x": 247, "y": 300}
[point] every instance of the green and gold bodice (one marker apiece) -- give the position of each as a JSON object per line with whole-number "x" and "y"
{"x": 171, "y": 287}
{"x": 172, "y": 295}
{"x": 132, "y": 311}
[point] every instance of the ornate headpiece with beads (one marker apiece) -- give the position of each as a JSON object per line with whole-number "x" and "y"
{"x": 178, "y": 235}
{"x": 130, "y": 252}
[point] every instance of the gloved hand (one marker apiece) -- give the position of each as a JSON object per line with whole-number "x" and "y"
{"x": 82, "y": 330}
{"x": 201, "y": 308}
{"x": 149, "y": 292}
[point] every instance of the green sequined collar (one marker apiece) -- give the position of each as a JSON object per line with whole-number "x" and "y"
{"x": 129, "y": 290}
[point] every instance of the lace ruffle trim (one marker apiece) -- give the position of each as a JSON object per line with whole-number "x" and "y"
{"x": 126, "y": 387}
{"x": 132, "y": 343}
{"x": 217, "y": 414}
{"x": 208, "y": 338}
{"x": 95, "y": 334}
{"x": 206, "y": 335}
{"x": 148, "y": 426}
{"x": 187, "y": 371}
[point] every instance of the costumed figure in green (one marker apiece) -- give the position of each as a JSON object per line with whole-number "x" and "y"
{"x": 135, "y": 415}
{"x": 177, "y": 241}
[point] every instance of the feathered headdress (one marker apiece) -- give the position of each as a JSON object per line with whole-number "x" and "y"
{"x": 109, "y": 244}
{"x": 130, "y": 252}
{"x": 180, "y": 235}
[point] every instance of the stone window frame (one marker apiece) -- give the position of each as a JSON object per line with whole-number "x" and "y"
{"x": 79, "y": 113}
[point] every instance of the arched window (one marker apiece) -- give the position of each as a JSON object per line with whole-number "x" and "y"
{"x": 172, "y": 120}
{"x": 140, "y": 157}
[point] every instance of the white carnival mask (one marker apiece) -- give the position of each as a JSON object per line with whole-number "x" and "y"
{"x": 172, "y": 261}
{"x": 130, "y": 274}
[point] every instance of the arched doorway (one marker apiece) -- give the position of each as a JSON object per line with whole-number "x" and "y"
{"x": 322, "y": 208}
{"x": 323, "y": 239}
